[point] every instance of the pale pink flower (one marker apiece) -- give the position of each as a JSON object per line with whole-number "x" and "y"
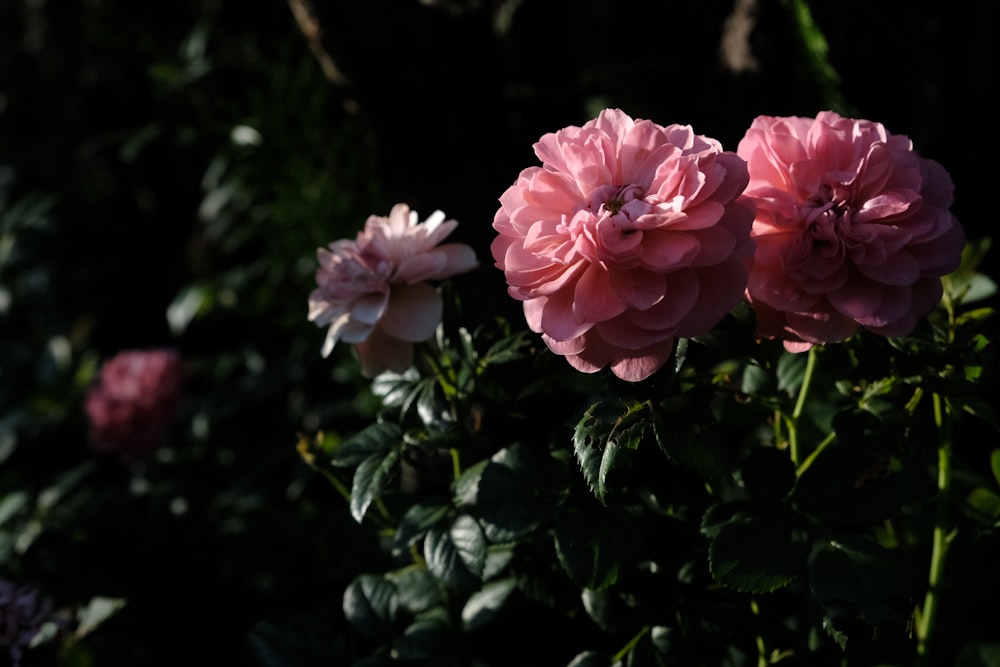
{"x": 853, "y": 229}
{"x": 134, "y": 400}
{"x": 628, "y": 236}
{"x": 372, "y": 291}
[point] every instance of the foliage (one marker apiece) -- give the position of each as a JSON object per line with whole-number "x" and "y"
{"x": 166, "y": 175}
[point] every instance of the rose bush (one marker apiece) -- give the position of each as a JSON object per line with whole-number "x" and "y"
{"x": 372, "y": 291}
{"x": 629, "y": 236}
{"x": 853, "y": 228}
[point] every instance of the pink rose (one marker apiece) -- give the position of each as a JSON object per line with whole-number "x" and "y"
{"x": 852, "y": 229}
{"x": 372, "y": 291}
{"x": 134, "y": 400}
{"x": 628, "y": 236}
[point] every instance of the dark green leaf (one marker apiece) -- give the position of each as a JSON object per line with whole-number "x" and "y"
{"x": 985, "y": 503}
{"x": 593, "y": 542}
{"x": 370, "y": 479}
{"x": 590, "y": 659}
{"x": 414, "y": 524}
{"x": 517, "y": 492}
{"x": 995, "y": 464}
{"x": 457, "y": 555}
{"x": 754, "y": 547}
{"x": 370, "y": 606}
{"x": 483, "y": 605}
{"x": 604, "y": 437}
{"x": 417, "y": 589}
{"x": 979, "y": 654}
{"x": 376, "y": 438}
{"x": 424, "y": 639}
{"x": 297, "y": 644}
{"x": 858, "y": 576}
{"x": 686, "y": 430}
{"x": 791, "y": 370}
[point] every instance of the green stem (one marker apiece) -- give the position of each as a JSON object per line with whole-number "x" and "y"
{"x": 830, "y": 437}
{"x": 800, "y": 404}
{"x": 942, "y": 537}
{"x": 762, "y": 660}
{"x": 628, "y": 647}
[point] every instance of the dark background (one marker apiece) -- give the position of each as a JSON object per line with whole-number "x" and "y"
{"x": 122, "y": 192}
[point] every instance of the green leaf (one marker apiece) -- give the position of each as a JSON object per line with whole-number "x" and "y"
{"x": 375, "y": 438}
{"x": 457, "y": 555}
{"x": 603, "y": 440}
{"x": 590, "y": 659}
{"x": 417, "y": 589}
{"x": 425, "y": 638}
{"x": 593, "y": 543}
{"x": 370, "y": 605}
{"x": 855, "y": 575}
{"x": 985, "y": 503}
{"x": 414, "y": 524}
{"x": 370, "y": 478}
{"x": 755, "y": 547}
{"x": 995, "y": 464}
{"x": 686, "y": 430}
{"x": 517, "y": 492}
{"x": 297, "y": 644}
{"x": 791, "y": 370}
{"x": 506, "y": 350}
{"x": 483, "y": 605}
{"x": 979, "y": 654}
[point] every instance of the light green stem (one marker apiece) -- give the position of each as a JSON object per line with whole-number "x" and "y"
{"x": 800, "y": 404}
{"x": 942, "y": 537}
{"x": 631, "y": 645}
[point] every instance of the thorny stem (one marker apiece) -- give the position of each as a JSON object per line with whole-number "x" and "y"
{"x": 942, "y": 537}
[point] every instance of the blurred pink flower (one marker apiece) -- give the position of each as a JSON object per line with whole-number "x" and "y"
{"x": 136, "y": 397}
{"x": 372, "y": 291}
{"x": 628, "y": 236}
{"x": 853, "y": 229}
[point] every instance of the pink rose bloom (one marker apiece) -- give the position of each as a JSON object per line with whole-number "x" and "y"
{"x": 628, "y": 236}
{"x": 134, "y": 400}
{"x": 853, "y": 229}
{"x": 372, "y": 291}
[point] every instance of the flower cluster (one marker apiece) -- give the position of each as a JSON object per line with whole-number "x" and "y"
{"x": 23, "y": 611}
{"x": 631, "y": 235}
{"x": 134, "y": 400}
{"x": 373, "y": 291}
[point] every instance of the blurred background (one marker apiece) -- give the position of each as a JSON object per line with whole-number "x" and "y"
{"x": 167, "y": 171}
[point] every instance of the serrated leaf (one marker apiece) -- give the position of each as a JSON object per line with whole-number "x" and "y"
{"x": 754, "y": 547}
{"x": 603, "y": 438}
{"x": 791, "y": 370}
{"x": 517, "y": 492}
{"x": 456, "y": 555}
{"x": 370, "y": 605}
{"x": 593, "y": 543}
{"x": 417, "y": 589}
{"x": 856, "y": 571}
{"x": 483, "y": 605}
{"x": 370, "y": 479}
{"x": 375, "y": 438}
{"x": 414, "y": 524}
